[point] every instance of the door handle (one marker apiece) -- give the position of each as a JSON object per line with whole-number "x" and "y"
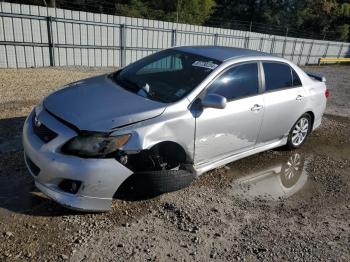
{"x": 256, "y": 107}
{"x": 299, "y": 97}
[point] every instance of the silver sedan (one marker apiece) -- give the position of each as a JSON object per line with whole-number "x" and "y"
{"x": 156, "y": 124}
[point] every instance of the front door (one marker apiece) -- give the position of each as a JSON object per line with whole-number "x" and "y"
{"x": 224, "y": 132}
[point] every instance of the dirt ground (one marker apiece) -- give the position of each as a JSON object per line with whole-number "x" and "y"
{"x": 253, "y": 209}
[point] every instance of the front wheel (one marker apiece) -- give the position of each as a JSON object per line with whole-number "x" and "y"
{"x": 299, "y": 132}
{"x": 152, "y": 183}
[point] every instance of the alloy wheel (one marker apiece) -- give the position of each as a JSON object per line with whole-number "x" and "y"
{"x": 300, "y": 131}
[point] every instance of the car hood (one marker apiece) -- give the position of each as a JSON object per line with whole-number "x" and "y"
{"x": 98, "y": 104}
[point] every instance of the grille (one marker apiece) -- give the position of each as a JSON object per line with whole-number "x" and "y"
{"x": 32, "y": 167}
{"x": 44, "y": 133}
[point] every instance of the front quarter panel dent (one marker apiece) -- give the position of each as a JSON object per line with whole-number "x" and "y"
{"x": 177, "y": 128}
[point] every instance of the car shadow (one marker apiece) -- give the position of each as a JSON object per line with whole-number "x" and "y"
{"x": 17, "y": 190}
{"x": 18, "y": 193}
{"x": 10, "y": 134}
{"x": 130, "y": 190}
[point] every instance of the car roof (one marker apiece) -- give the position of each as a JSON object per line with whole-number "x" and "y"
{"x": 221, "y": 53}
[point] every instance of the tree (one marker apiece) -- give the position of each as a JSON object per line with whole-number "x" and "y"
{"x": 343, "y": 32}
{"x": 320, "y": 15}
{"x": 313, "y": 17}
{"x": 185, "y": 11}
{"x": 303, "y": 18}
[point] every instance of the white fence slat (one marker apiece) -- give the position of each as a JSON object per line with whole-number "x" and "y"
{"x": 92, "y": 39}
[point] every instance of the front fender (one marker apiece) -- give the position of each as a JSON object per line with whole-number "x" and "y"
{"x": 174, "y": 126}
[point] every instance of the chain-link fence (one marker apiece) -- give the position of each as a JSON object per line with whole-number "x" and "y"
{"x": 36, "y": 36}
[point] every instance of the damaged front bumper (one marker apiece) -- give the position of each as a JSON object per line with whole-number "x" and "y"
{"x": 98, "y": 178}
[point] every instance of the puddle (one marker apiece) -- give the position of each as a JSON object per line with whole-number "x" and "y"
{"x": 271, "y": 175}
{"x": 276, "y": 178}
{"x": 279, "y": 174}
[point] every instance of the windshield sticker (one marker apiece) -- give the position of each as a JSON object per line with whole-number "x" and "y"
{"x": 209, "y": 65}
{"x": 180, "y": 92}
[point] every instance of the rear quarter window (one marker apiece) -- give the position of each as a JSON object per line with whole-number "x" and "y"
{"x": 296, "y": 78}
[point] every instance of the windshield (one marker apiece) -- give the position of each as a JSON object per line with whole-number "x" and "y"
{"x": 166, "y": 76}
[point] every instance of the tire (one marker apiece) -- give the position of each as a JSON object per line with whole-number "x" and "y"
{"x": 153, "y": 183}
{"x": 298, "y": 133}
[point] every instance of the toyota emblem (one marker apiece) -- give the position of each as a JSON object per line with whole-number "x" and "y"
{"x": 37, "y": 122}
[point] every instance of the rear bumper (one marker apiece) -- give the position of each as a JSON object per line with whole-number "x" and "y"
{"x": 100, "y": 178}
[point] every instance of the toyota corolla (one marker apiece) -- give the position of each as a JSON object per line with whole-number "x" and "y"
{"x": 166, "y": 119}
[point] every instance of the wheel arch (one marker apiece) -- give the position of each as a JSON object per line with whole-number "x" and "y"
{"x": 312, "y": 115}
{"x": 172, "y": 149}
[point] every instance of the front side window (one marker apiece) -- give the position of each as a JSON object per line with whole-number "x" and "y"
{"x": 277, "y": 76}
{"x": 237, "y": 82}
{"x": 166, "y": 76}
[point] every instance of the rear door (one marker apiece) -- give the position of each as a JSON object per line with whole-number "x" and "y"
{"x": 223, "y": 132}
{"x": 284, "y": 100}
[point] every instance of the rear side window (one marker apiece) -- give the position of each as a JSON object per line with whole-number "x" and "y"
{"x": 239, "y": 81}
{"x": 277, "y": 76}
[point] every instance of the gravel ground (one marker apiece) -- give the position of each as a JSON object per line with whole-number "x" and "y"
{"x": 250, "y": 210}
{"x": 23, "y": 88}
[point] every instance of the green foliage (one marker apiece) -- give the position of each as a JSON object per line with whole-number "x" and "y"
{"x": 184, "y": 11}
{"x": 313, "y": 17}
{"x": 345, "y": 9}
{"x": 195, "y": 11}
{"x": 343, "y": 32}
{"x": 320, "y": 14}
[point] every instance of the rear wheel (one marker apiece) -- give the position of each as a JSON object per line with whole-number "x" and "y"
{"x": 299, "y": 132}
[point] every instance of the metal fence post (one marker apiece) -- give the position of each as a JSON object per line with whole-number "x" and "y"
{"x": 284, "y": 43}
{"x": 340, "y": 50}
{"x": 272, "y": 45}
{"x": 122, "y": 40}
{"x": 326, "y": 50}
{"x": 261, "y": 43}
{"x": 216, "y": 37}
{"x": 310, "y": 51}
{"x": 301, "y": 52}
{"x": 246, "y": 42}
{"x": 247, "y": 38}
{"x": 173, "y": 37}
{"x": 50, "y": 40}
{"x": 284, "y": 47}
{"x": 293, "y": 49}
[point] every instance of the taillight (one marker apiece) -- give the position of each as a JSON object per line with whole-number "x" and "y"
{"x": 326, "y": 93}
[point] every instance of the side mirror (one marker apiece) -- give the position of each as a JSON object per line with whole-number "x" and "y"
{"x": 214, "y": 101}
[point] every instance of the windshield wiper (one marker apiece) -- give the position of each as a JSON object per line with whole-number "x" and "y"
{"x": 153, "y": 96}
{"x": 135, "y": 88}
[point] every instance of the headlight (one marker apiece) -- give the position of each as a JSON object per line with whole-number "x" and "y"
{"x": 95, "y": 145}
